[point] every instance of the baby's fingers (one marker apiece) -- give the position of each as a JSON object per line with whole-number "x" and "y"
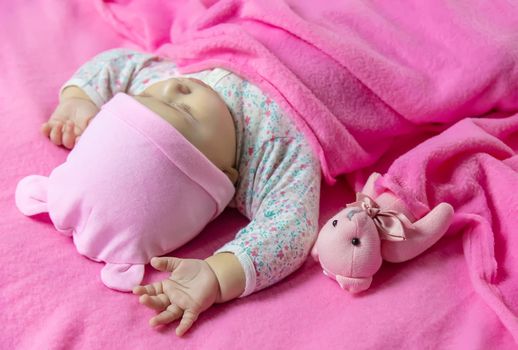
{"x": 187, "y": 321}
{"x": 69, "y": 135}
{"x": 172, "y": 313}
{"x": 56, "y": 133}
{"x": 46, "y": 128}
{"x": 151, "y": 289}
{"x": 165, "y": 264}
{"x": 159, "y": 302}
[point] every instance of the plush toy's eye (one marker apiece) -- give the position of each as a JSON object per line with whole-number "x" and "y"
{"x": 355, "y": 241}
{"x": 335, "y": 222}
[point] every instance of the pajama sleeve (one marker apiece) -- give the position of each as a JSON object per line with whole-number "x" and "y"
{"x": 119, "y": 70}
{"x": 283, "y": 198}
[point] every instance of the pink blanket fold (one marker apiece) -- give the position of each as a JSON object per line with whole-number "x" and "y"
{"x": 339, "y": 68}
{"x": 358, "y": 77}
{"x": 473, "y": 166}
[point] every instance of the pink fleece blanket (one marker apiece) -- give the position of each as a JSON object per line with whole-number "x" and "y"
{"x": 404, "y": 86}
{"x": 340, "y": 67}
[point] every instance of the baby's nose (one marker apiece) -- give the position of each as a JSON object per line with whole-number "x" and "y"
{"x": 177, "y": 86}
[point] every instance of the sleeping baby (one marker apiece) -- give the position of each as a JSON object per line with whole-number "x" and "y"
{"x": 185, "y": 147}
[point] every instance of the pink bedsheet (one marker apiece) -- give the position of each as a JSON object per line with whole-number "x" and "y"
{"x": 52, "y": 298}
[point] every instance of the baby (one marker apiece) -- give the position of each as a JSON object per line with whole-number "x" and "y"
{"x": 245, "y": 135}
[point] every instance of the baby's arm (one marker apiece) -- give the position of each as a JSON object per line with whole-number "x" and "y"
{"x": 90, "y": 87}
{"x": 284, "y": 203}
{"x": 108, "y": 73}
{"x": 274, "y": 244}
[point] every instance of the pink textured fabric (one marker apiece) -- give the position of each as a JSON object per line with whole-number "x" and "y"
{"x": 131, "y": 189}
{"x": 52, "y": 298}
{"x": 364, "y": 80}
{"x": 473, "y": 166}
{"x": 339, "y": 68}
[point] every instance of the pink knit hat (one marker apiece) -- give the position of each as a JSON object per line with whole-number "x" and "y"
{"x": 131, "y": 189}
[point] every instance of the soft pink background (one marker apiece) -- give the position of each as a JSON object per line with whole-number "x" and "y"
{"x": 52, "y": 298}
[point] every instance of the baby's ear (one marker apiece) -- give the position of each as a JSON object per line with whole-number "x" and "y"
{"x": 232, "y": 174}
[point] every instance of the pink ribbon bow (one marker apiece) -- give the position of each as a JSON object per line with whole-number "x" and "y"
{"x": 391, "y": 225}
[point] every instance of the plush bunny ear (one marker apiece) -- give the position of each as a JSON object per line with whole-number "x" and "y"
{"x": 31, "y": 195}
{"x": 122, "y": 277}
{"x": 369, "y": 187}
{"x": 427, "y": 231}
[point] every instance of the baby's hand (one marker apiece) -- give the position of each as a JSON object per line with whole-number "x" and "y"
{"x": 191, "y": 289}
{"x": 68, "y": 121}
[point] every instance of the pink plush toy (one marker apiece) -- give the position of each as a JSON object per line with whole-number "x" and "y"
{"x": 352, "y": 244}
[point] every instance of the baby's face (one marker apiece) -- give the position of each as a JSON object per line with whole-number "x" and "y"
{"x": 198, "y": 113}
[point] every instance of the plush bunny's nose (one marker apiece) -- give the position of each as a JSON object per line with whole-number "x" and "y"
{"x": 354, "y": 285}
